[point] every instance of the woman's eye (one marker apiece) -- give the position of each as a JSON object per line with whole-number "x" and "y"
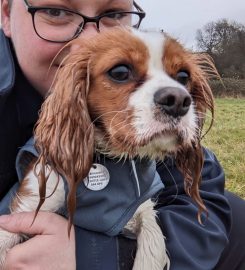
{"x": 56, "y": 15}
{"x": 56, "y": 12}
{"x": 114, "y": 16}
{"x": 120, "y": 73}
{"x": 183, "y": 77}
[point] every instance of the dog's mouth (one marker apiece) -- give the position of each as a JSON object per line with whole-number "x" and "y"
{"x": 153, "y": 145}
{"x": 152, "y": 137}
{"x": 161, "y": 143}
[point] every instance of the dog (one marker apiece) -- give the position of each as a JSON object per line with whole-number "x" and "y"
{"x": 127, "y": 94}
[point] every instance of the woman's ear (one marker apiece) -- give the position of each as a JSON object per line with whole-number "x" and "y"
{"x": 5, "y": 17}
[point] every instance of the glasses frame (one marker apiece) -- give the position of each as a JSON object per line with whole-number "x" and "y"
{"x": 86, "y": 19}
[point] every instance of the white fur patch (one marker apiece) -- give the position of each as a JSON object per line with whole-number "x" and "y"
{"x": 7, "y": 241}
{"x": 142, "y": 100}
{"x": 53, "y": 203}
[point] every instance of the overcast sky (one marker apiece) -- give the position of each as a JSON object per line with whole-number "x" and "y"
{"x": 182, "y": 18}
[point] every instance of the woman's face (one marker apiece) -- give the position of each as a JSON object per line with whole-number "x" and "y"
{"x": 34, "y": 54}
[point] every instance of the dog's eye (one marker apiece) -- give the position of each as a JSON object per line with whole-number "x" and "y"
{"x": 183, "y": 77}
{"x": 120, "y": 73}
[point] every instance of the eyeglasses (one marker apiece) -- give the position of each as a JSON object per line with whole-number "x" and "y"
{"x": 62, "y": 25}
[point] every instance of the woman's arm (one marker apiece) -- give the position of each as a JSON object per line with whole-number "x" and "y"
{"x": 192, "y": 245}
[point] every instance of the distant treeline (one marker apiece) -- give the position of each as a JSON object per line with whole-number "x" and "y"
{"x": 224, "y": 41}
{"x": 228, "y": 87}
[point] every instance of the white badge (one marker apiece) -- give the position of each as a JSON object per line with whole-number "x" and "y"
{"x": 98, "y": 177}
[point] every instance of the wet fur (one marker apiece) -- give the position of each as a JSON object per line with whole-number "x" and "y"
{"x": 74, "y": 119}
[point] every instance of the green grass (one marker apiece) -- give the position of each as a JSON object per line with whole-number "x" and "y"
{"x": 227, "y": 140}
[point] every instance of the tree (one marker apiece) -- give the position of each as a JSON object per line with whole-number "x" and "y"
{"x": 225, "y": 42}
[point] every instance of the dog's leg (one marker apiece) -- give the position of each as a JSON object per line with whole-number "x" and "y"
{"x": 151, "y": 249}
{"x": 26, "y": 200}
{"x": 7, "y": 241}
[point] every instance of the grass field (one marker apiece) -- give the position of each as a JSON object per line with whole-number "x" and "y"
{"x": 227, "y": 140}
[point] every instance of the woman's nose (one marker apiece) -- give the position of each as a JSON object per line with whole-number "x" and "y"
{"x": 89, "y": 31}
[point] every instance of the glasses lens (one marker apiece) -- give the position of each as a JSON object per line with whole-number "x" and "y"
{"x": 119, "y": 19}
{"x": 57, "y": 24}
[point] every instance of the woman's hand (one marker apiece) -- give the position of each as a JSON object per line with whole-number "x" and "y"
{"x": 49, "y": 249}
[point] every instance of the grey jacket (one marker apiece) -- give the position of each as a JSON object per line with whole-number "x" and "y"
{"x": 107, "y": 210}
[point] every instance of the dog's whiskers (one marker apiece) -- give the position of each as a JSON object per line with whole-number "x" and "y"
{"x": 112, "y": 127}
{"x": 101, "y": 116}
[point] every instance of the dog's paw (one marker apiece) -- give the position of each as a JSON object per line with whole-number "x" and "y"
{"x": 7, "y": 241}
{"x": 151, "y": 249}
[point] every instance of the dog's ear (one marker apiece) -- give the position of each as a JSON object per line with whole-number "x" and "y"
{"x": 203, "y": 70}
{"x": 190, "y": 159}
{"x": 64, "y": 134}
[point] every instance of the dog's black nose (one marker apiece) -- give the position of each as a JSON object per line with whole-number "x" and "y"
{"x": 173, "y": 101}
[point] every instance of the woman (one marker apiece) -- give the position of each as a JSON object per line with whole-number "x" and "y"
{"x": 27, "y": 49}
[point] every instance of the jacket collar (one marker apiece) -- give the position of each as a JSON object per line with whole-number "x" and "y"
{"x": 108, "y": 208}
{"x": 12, "y": 80}
{"x": 7, "y": 70}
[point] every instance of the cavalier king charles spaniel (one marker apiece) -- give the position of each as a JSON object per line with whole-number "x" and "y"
{"x": 127, "y": 94}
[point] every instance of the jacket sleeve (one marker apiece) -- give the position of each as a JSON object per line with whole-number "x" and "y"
{"x": 191, "y": 245}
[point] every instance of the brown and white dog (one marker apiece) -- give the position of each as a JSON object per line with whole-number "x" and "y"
{"x": 125, "y": 93}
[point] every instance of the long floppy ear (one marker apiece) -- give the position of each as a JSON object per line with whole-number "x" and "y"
{"x": 64, "y": 134}
{"x": 204, "y": 70}
{"x": 190, "y": 160}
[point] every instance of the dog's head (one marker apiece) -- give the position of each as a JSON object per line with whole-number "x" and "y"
{"x": 126, "y": 93}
